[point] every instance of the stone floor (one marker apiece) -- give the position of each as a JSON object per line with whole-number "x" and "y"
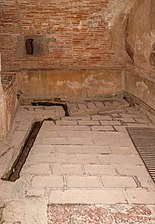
{"x": 84, "y": 162}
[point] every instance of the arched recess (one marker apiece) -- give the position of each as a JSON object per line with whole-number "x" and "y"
{"x": 140, "y": 46}
{"x": 140, "y": 34}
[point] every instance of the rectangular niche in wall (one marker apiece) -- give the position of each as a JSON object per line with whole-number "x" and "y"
{"x": 31, "y": 45}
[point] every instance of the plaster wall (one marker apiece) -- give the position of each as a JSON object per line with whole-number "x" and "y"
{"x": 70, "y": 85}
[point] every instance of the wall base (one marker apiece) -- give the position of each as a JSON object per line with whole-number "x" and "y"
{"x": 69, "y": 85}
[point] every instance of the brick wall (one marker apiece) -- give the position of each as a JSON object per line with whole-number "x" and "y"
{"x": 72, "y": 34}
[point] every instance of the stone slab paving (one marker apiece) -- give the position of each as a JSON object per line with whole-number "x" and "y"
{"x": 25, "y": 117}
{"x": 86, "y": 166}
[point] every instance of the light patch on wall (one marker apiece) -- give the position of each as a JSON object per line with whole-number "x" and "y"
{"x": 72, "y": 85}
{"x": 139, "y": 43}
{"x": 115, "y": 8}
{"x": 80, "y": 25}
{"x": 93, "y": 21}
{"x": 104, "y": 84}
{"x": 144, "y": 45}
{"x": 59, "y": 83}
{"x": 142, "y": 87}
{"x": 88, "y": 81}
{"x": 109, "y": 14}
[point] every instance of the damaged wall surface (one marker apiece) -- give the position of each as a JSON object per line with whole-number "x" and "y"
{"x": 8, "y": 104}
{"x": 140, "y": 34}
{"x": 140, "y": 46}
{"x": 70, "y": 84}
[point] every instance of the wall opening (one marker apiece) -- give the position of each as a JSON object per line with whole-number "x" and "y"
{"x": 29, "y": 45}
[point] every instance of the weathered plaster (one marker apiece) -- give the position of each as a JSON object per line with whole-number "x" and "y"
{"x": 141, "y": 87}
{"x": 76, "y": 85}
{"x": 140, "y": 35}
{"x": 115, "y": 9}
{"x": 143, "y": 48}
{"x": 72, "y": 85}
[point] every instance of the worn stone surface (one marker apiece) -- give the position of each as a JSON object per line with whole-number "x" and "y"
{"x": 73, "y": 163}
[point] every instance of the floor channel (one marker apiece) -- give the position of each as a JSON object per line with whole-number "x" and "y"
{"x": 14, "y": 172}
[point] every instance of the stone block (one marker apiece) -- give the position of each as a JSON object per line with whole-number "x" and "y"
{"x": 101, "y": 118}
{"x": 37, "y": 169}
{"x": 132, "y": 170}
{"x": 69, "y": 169}
{"x": 82, "y": 149}
{"x": 47, "y": 182}
{"x": 120, "y": 159}
{"x": 109, "y": 123}
{"x": 67, "y": 141}
{"x": 83, "y": 196}
{"x": 103, "y": 128}
{"x": 88, "y": 123}
{"x": 140, "y": 196}
{"x": 83, "y": 182}
{"x": 66, "y": 123}
{"x": 118, "y": 182}
{"x": 99, "y": 169}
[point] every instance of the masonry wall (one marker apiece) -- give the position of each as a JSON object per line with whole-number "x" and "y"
{"x": 66, "y": 34}
{"x": 69, "y": 40}
{"x": 76, "y": 50}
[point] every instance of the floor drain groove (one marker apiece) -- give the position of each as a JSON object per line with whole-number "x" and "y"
{"x": 48, "y": 104}
{"x": 14, "y": 173}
